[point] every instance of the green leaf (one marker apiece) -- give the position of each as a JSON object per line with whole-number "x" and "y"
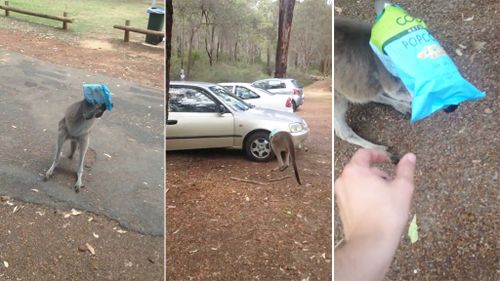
{"x": 413, "y": 230}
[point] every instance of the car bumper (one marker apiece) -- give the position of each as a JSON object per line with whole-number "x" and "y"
{"x": 298, "y": 100}
{"x": 300, "y": 137}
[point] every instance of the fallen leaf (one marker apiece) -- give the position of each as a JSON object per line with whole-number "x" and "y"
{"x": 34, "y": 189}
{"x": 16, "y": 208}
{"x": 95, "y": 235}
{"x": 109, "y": 156}
{"x": 13, "y": 126}
{"x": 40, "y": 213}
{"x": 459, "y": 52}
{"x": 90, "y": 248}
{"x": 413, "y": 230}
{"x": 193, "y": 251}
{"x": 467, "y": 19}
{"x": 121, "y": 231}
{"x": 478, "y": 45}
{"x": 5, "y": 263}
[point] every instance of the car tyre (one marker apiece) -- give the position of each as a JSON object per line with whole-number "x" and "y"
{"x": 258, "y": 147}
{"x": 294, "y": 105}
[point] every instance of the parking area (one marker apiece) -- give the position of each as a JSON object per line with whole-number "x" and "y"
{"x": 219, "y": 228}
{"x": 123, "y": 175}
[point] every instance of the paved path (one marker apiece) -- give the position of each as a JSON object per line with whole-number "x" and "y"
{"x": 124, "y": 174}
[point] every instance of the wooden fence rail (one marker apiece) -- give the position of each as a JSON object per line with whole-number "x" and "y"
{"x": 127, "y": 28}
{"x": 9, "y": 9}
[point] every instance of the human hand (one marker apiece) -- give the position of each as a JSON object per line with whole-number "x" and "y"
{"x": 371, "y": 204}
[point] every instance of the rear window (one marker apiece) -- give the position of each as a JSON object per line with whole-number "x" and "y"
{"x": 276, "y": 84}
{"x": 296, "y": 84}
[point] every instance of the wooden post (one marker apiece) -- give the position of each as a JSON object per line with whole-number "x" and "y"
{"x": 127, "y": 32}
{"x": 7, "y": 10}
{"x": 65, "y": 23}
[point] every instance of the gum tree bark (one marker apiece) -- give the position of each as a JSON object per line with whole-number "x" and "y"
{"x": 284, "y": 30}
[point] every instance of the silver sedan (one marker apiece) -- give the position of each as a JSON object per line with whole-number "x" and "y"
{"x": 205, "y": 115}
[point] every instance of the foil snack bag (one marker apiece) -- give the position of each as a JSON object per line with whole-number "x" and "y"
{"x": 98, "y": 94}
{"x": 410, "y": 52}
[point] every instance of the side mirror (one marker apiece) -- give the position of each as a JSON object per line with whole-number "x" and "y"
{"x": 222, "y": 109}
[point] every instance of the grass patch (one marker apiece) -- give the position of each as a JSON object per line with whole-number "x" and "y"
{"x": 89, "y": 16}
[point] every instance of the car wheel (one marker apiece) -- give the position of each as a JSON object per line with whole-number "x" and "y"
{"x": 258, "y": 147}
{"x": 294, "y": 105}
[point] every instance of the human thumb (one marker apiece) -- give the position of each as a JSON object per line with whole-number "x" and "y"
{"x": 405, "y": 169}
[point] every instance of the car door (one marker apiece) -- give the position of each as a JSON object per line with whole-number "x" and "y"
{"x": 197, "y": 120}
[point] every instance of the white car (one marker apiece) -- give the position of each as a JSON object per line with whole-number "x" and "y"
{"x": 205, "y": 115}
{"x": 260, "y": 97}
{"x": 283, "y": 86}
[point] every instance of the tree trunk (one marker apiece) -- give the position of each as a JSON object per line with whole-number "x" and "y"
{"x": 190, "y": 52}
{"x": 268, "y": 61}
{"x": 236, "y": 50}
{"x": 218, "y": 50}
{"x": 284, "y": 30}
{"x": 168, "y": 49}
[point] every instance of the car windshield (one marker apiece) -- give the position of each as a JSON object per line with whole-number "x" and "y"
{"x": 229, "y": 99}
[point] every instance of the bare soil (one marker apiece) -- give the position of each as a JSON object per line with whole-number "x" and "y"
{"x": 38, "y": 242}
{"x": 131, "y": 61}
{"x": 222, "y": 229}
{"x": 456, "y": 194}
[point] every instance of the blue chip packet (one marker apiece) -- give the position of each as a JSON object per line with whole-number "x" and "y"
{"x": 410, "y": 52}
{"x": 98, "y": 94}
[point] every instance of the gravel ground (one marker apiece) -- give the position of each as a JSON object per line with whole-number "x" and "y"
{"x": 456, "y": 194}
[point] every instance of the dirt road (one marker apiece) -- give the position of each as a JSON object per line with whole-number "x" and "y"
{"x": 220, "y": 229}
{"x": 456, "y": 194}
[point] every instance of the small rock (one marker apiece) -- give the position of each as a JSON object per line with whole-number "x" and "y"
{"x": 488, "y": 111}
{"x": 82, "y": 248}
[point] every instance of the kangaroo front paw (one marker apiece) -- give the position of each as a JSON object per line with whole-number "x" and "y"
{"x": 77, "y": 188}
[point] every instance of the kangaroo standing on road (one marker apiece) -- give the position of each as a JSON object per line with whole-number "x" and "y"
{"x": 75, "y": 126}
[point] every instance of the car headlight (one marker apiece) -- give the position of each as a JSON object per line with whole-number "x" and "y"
{"x": 296, "y": 127}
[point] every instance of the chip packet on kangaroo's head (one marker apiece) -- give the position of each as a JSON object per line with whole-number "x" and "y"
{"x": 98, "y": 94}
{"x": 410, "y": 52}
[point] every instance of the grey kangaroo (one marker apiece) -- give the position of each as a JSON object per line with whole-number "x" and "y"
{"x": 360, "y": 77}
{"x": 75, "y": 126}
{"x": 283, "y": 147}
